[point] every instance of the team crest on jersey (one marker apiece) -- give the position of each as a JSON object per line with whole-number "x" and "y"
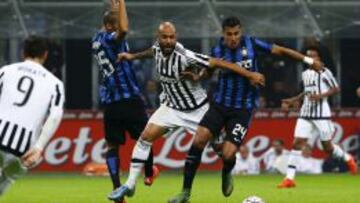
{"x": 245, "y": 63}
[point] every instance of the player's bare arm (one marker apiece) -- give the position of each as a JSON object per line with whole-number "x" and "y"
{"x": 254, "y": 77}
{"x": 149, "y": 53}
{"x": 123, "y": 22}
{"x": 331, "y": 92}
{"x": 195, "y": 77}
{"x": 289, "y": 102}
{"x": 283, "y": 51}
{"x": 52, "y": 123}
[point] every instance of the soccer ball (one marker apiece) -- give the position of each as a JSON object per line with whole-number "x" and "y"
{"x": 253, "y": 199}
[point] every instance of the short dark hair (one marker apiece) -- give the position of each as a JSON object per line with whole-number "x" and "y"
{"x": 110, "y": 17}
{"x": 231, "y": 21}
{"x": 35, "y": 46}
{"x": 313, "y": 48}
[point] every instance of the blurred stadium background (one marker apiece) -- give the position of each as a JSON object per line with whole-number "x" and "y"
{"x": 332, "y": 25}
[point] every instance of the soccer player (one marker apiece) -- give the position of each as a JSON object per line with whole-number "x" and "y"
{"x": 314, "y": 119}
{"x": 124, "y": 109}
{"x": 233, "y": 104}
{"x": 183, "y": 102}
{"x": 31, "y": 108}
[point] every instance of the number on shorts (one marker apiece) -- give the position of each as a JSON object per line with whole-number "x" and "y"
{"x": 239, "y": 129}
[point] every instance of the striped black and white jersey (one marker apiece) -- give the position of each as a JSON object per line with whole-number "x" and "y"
{"x": 28, "y": 94}
{"x": 177, "y": 93}
{"x": 316, "y": 83}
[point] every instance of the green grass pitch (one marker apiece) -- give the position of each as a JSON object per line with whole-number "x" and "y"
{"x": 62, "y": 188}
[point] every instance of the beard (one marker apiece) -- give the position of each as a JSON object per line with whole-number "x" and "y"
{"x": 167, "y": 50}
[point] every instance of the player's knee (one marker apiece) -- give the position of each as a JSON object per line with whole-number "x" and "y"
{"x": 200, "y": 143}
{"x": 228, "y": 156}
{"x": 147, "y": 135}
{"x": 202, "y": 137}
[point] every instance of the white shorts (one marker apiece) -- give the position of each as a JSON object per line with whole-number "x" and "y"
{"x": 306, "y": 128}
{"x": 170, "y": 118}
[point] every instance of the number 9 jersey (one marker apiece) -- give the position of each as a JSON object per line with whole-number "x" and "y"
{"x": 28, "y": 95}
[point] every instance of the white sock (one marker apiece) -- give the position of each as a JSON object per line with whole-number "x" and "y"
{"x": 140, "y": 154}
{"x": 340, "y": 153}
{"x": 292, "y": 164}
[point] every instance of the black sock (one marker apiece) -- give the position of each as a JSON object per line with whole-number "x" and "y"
{"x": 149, "y": 164}
{"x": 192, "y": 163}
{"x": 113, "y": 163}
{"x": 228, "y": 165}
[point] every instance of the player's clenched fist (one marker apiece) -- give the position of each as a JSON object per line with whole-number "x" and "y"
{"x": 257, "y": 79}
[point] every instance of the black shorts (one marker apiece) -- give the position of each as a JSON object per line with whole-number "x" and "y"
{"x": 235, "y": 121}
{"x": 119, "y": 117}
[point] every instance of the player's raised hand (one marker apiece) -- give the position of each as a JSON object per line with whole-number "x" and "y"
{"x": 125, "y": 56}
{"x": 114, "y": 5}
{"x": 31, "y": 157}
{"x": 257, "y": 79}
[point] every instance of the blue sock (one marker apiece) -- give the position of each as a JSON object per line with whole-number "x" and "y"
{"x": 113, "y": 163}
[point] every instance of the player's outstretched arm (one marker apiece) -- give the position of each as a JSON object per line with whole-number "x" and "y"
{"x": 149, "y": 53}
{"x": 123, "y": 21}
{"x": 283, "y": 51}
{"x": 195, "y": 77}
{"x": 254, "y": 77}
{"x": 289, "y": 102}
{"x": 50, "y": 126}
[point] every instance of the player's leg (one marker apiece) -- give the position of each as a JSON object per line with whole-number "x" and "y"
{"x": 142, "y": 150}
{"x": 157, "y": 126}
{"x": 136, "y": 124}
{"x": 326, "y": 129}
{"x": 192, "y": 162}
{"x": 229, "y": 160}
{"x": 217, "y": 143}
{"x": 114, "y": 136}
{"x": 210, "y": 125}
{"x": 303, "y": 129}
{"x": 139, "y": 156}
{"x": 12, "y": 169}
{"x": 236, "y": 128}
